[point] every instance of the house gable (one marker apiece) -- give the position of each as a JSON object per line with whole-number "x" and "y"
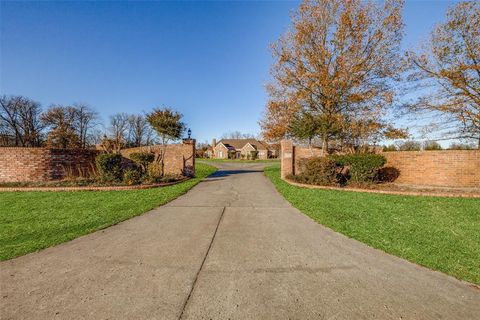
{"x": 243, "y": 146}
{"x": 220, "y": 151}
{"x": 248, "y": 147}
{"x": 220, "y": 147}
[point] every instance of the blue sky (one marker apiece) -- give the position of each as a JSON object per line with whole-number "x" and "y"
{"x": 208, "y": 60}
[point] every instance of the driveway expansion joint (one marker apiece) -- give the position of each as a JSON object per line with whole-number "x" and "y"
{"x": 201, "y": 265}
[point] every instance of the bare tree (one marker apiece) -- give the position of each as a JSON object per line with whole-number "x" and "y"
{"x": 447, "y": 74}
{"x": 20, "y": 121}
{"x": 118, "y": 129}
{"x": 201, "y": 149}
{"x": 96, "y": 136}
{"x": 139, "y": 131}
{"x": 151, "y": 136}
{"x": 202, "y": 145}
{"x": 237, "y": 135}
{"x": 86, "y": 120}
{"x": 70, "y": 126}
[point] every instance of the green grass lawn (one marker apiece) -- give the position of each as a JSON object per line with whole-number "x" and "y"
{"x": 439, "y": 233}
{"x": 241, "y": 160}
{"x": 30, "y": 221}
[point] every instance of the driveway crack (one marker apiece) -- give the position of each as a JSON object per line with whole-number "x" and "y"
{"x": 201, "y": 266}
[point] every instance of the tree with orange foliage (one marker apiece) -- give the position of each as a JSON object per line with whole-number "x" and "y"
{"x": 61, "y": 122}
{"x": 447, "y": 71}
{"x": 337, "y": 63}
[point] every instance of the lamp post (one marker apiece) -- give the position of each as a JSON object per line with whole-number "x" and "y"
{"x": 189, "y": 132}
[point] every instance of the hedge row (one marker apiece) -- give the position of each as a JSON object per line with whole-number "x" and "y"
{"x": 360, "y": 168}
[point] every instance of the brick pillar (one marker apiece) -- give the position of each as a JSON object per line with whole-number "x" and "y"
{"x": 189, "y": 157}
{"x": 287, "y": 158}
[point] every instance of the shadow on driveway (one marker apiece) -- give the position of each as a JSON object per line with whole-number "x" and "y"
{"x": 226, "y": 173}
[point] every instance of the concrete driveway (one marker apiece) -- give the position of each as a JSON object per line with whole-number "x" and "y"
{"x": 231, "y": 248}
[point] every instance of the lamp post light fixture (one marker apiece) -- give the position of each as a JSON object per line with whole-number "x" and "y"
{"x": 189, "y": 132}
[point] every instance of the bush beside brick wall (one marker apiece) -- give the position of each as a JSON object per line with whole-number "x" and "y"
{"x": 43, "y": 164}
{"x": 291, "y": 155}
{"x": 305, "y": 153}
{"x": 445, "y": 168}
{"x": 179, "y": 158}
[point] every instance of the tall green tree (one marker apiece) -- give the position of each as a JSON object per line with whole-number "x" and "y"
{"x": 304, "y": 126}
{"x": 169, "y": 126}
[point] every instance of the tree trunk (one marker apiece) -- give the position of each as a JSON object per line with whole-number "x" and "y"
{"x": 325, "y": 144}
{"x": 162, "y": 157}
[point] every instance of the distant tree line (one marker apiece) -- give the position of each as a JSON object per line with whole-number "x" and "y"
{"x": 413, "y": 145}
{"x": 237, "y": 135}
{"x": 24, "y": 123}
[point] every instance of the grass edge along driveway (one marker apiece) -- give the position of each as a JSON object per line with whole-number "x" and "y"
{"x": 439, "y": 233}
{"x": 30, "y": 221}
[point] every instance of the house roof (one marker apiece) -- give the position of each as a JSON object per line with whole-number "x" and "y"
{"x": 238, "y": 144}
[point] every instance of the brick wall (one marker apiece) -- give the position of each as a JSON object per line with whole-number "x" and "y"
{"x": 291, "y": 155}
{"x": 449, "y": 168}
{"x": 305, "y": 153}
{"x": 43, "y": 164}
{"x": 179, "y": 158}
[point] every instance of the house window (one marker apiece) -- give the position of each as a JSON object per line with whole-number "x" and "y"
{"x": 220, "y": 154}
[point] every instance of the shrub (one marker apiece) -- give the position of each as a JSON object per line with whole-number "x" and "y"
{"x": 317, "y": 170}
{"x": 132, "y": 176}
{"x": 75, "y": 173}
{"x": 109, "y": 166}
{"x": 387, "y": 174}
{"x": 460, "y": 146}
{"x": 154, "y": 174}
{"x": 199, "y": 153}
{"x": 142, "y": 159}
{"x": 410, "y": 145}
{"x": 362, "y": 167}
{"x": 431, "y": 145}
{"x": 390, "y": 147}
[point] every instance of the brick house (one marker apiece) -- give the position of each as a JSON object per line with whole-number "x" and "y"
{"x": 242, "y": 149}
